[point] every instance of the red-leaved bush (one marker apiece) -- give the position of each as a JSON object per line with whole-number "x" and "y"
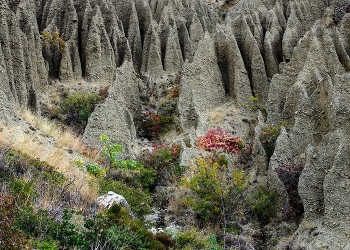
{"x": 218, "y": 140}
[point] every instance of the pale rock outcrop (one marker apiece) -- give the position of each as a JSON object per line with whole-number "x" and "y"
{"x": 99, "y": 37}
{"x": 70, "y": 66}
{"x": 196, "y": 31}
{"x": 108, "y": 200}
{"x": 252, "y": 57}
{"x": 272, "y": 45}
{"x": 311, "y": 95}
{"x": 279, "y": 48}
{"x": 319, "y": 58}
{"x": 259, "y": 158}
{"x": 293, "y": 33}
{"x": 24, "y": 68}
{"x": 145, "y": 16}
{"x": 7, "y": 113}
{"x": 184, "y": 39}
{"x": 126, "y": 12}
{"x": 134, "y": 39}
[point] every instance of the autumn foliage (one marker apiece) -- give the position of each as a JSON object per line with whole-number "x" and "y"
{"x": 218, "y": 140}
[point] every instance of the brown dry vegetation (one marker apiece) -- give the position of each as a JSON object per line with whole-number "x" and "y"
{"x": 47, "y": 142}
{"x": 228, "y": 4}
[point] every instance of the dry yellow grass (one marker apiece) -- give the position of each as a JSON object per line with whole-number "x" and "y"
{"x": 45, "y": 141}
{"x": 63, "y": 138}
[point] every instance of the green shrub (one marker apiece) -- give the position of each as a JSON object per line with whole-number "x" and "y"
{"x": 36, "y": 224}
{"x": 268, "y": 137}
{"x": 77, "y": 108}
{"x": 143, "y": 177}
{"x": 147, "y": 177}
{"x": 110, "y": 151}
{"x": 192, "y": 239}
{"x": 263, "y": 203}
{"x": 121, "y": 231}
{"x": 128, "y": 170}
{"x": 152, "y": 125}
{"x": 255, "y": 105}
{"x": 23, "y": 191}
{"x": 45, "y": 245}
{"x": 165, "y": 160}
{"x": 121, "y": 237}
{"x": 21, "y": 163}
{"x": 10, "y": 236}
{"x": 68, "y": 235}
{"x": 94, "y": 169}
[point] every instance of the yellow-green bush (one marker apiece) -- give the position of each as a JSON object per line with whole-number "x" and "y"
{"x": 216, "y": 189}
{"x": 53, "y": 47}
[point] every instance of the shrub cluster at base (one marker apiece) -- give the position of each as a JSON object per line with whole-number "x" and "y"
{"x": 77, "y": 108}
{"x": 263, "y": 203}
{"x": 216, "y": 190}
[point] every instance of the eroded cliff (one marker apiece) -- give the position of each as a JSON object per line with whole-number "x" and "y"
{"x": 278, "y": 50}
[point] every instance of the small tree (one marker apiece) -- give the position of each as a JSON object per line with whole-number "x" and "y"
{"x": 217, "y": 191}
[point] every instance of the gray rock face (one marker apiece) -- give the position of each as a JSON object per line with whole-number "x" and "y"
{"x": 100, "y": 62}
{"x": 173, "y": 59}
{"x": 99, "y": 37}
{"x": 201, "y": 86}
{"x": 6, "y": 110}
{"x": 277, "y": 49}
{"x": 311, "y": 93}
{"x": 24, "y": 68}
{"x": 151, "y": 55}
{"x": 115, "y": 116}
{"x": 231, "y": 64}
